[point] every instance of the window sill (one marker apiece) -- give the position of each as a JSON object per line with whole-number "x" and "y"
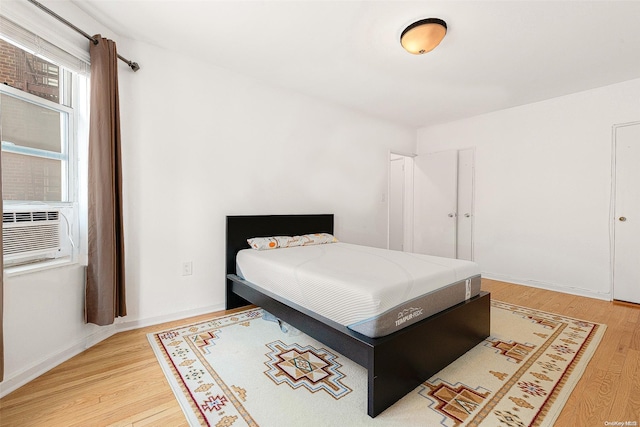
{"x": 40, "y": 266}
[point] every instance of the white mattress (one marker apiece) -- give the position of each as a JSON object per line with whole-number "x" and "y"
{"x": 373, "y": 291}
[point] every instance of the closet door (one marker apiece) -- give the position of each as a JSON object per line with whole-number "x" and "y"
{"x": 465, "y": 204}
{"x": 435, "y": 203}
{"x": 626, "y": 222}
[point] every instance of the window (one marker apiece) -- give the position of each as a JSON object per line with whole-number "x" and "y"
{"x": 42, "y": 119}
{"x": 34, "y": 126}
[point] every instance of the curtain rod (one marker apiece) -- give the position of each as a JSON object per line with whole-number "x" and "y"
{"x": 134, "y": 65}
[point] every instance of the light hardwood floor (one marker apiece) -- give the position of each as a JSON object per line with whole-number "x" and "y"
{"x": 119, "y": 383}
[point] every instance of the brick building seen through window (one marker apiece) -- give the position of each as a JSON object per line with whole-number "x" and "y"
{"x": 32, "y": 140}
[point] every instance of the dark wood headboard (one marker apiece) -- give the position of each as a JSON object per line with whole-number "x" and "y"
{"x": 243, "y": 227}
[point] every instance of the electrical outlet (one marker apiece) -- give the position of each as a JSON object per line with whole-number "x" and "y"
{"x": 187, "y": 268}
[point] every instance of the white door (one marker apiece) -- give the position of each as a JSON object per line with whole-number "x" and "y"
{"x": 465, "y": 204}
{"x": 396, "y": 203}
{"x": 626, "y": 228}
{"x": 435, "y": 203}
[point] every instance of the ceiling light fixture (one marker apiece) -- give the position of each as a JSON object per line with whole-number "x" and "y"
{"x": 423, "y": 36}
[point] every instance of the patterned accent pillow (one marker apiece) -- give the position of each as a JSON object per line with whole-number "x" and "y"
{"x": 275, "y": 242}
{"x": 317, "y": 239}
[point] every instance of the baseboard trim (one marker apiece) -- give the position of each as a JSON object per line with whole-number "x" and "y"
{"x": 50, "y": 362}
{"x": 128, "y": 325}
{"x": 16, "y": 381}
{"x": 549, "y": 286}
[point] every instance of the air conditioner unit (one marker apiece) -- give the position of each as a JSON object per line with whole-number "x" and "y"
{"x": 30, "y": 235}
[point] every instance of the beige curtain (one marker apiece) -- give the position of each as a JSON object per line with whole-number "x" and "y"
{"x": 105, "y": 287}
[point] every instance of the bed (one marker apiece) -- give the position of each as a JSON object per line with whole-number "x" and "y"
{"x": 397, "y": 361}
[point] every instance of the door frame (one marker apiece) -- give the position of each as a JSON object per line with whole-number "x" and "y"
{"x": 407, "y": 199}
{"x": 612, "y": 204}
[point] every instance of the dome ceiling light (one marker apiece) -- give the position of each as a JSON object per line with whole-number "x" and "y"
{"x": 423, "y": 36}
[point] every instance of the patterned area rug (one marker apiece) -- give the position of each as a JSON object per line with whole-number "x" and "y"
{"x": 243, "y": 370}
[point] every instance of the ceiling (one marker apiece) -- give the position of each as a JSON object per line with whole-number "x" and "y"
{"x": 496, "y": 54}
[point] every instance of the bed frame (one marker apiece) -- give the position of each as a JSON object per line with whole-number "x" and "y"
{"x": 396, "y": 363}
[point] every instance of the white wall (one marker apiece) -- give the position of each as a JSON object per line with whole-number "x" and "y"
{"x": 543, "y": 181}
{"x": 203, "y": 143}
{"x": 200, "y": 143}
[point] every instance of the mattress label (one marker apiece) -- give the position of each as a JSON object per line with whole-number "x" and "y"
{"x": 408, "y": 314}
{"x": 417, "y": 309}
